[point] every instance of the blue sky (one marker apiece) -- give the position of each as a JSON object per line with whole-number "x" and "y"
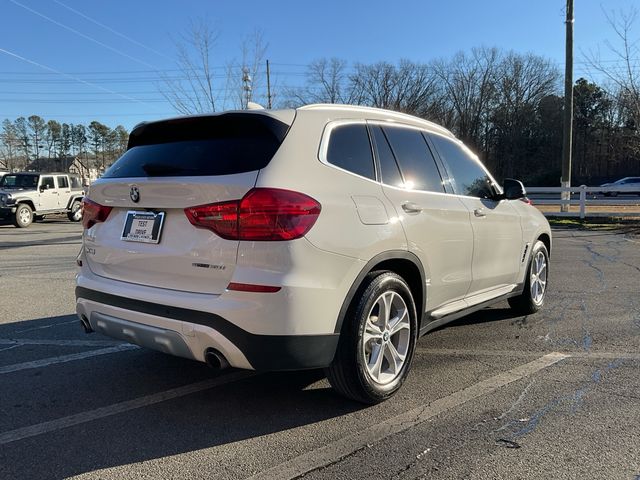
{"x": 103, "y": 65}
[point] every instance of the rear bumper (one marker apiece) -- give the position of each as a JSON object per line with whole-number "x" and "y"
{"x": 189, "y": 333}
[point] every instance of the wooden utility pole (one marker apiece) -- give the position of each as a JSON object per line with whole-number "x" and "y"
{"x": 268, "y": 86}
{"x": 567, "y": 131}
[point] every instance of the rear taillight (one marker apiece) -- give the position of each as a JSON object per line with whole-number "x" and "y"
{"x": 93, "y": 213}
{"x": 263, "y": 214}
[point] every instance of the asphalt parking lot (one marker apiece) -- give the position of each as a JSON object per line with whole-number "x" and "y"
{"x": 552, "y": 395}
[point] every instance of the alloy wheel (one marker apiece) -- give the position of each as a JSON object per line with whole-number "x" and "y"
{"x": 386, "y": 338}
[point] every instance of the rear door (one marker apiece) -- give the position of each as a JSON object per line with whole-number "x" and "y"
{"x": 147, "y": 238}
{"x": 436, "y": 224}
{"x": 498, "y": 242}
{"x": 64, "y": 190}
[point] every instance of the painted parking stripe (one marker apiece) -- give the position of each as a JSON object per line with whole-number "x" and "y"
{"x": 340, "y": 449}
{"x": 45, "y": 362}
{"x": 116, "y": 408}
{"x": 58, "y": 343}
{"x": 524, "y": 354}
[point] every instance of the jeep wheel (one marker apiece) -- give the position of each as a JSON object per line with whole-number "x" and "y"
{"x": 377, "y": 341}
{"x": 23, "y": 216}
{"x": 75, "y": 214}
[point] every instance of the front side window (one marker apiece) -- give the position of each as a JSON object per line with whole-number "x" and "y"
{"x": 415, "y": 159}
{"x": 47, "y": 182}
{"x": 468, "y": 176}
{"x": 349, "y": 148}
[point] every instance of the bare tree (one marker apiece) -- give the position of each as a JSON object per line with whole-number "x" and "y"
{"x": 244, "y": 80}
{"x": 9, "y": 145}
{"x": 193, "y": 89}
{"x": 623, "y": 70}
{"x": 327, "y": 81}
{"x": 469, "y": 82}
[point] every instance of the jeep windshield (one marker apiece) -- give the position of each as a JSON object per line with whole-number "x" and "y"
{"x": 19, "y": 181}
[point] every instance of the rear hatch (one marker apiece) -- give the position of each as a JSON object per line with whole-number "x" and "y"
{"x": 147, "y": 238}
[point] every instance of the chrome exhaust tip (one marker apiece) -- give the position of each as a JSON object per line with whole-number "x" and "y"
{"x": 84, "y": 321}
{"x": 215, "y": 359}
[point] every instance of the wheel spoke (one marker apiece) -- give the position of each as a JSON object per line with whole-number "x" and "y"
{"x": 385, "y": 309}
{"x": 371, "y": 332}
{"x": 401, "y": 324}
{"x": 375, "y": 363}
{"x": 394, "y": 358}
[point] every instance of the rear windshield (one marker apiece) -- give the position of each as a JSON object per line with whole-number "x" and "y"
{"x": 217, "y": 145}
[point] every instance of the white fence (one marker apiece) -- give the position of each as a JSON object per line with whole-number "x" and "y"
{"x": 584, "y": 201}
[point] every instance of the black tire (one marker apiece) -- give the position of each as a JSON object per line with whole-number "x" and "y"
{"x": 525, "y": 303}
{"x": 75, "y": 212}
{"x": 349, "y": 374}
{"x": 23, "y": 216}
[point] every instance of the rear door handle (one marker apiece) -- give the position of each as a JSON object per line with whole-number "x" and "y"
{"x": 479, "y": 212}
{"x": 411, "y": 207}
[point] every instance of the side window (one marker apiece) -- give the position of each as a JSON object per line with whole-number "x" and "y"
{"x": 468, "y": 176}
{"x": 415, "y": 159}
{"x": 47, "y": 182}
{"x": 349, "y": 148}
{"x": 62, "y": 182}
{"x": 75, "y": 183}
{"x": 389, "y": 172}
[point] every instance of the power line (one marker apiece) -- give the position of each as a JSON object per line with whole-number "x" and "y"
{"x": 115, "y": 32}
{"x": 40, "y": 65}
{"x": 87, "y": 37}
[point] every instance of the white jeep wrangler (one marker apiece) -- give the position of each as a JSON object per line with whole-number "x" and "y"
{"x": 28, "y": 196}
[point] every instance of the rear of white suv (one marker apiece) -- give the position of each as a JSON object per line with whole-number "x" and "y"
{"x": 278, "y": 240}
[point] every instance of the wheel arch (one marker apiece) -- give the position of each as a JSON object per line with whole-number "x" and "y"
{"x": 74, "y": 198}
{"x": 546, "y": 239}
{"x": 401, "y": 262}
{"x": 26, "y": 202}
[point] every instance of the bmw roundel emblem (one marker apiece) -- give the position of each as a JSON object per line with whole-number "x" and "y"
{"x": 134, "y": 194}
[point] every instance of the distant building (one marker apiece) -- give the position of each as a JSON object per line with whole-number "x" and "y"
{"x": 65, "y": 164}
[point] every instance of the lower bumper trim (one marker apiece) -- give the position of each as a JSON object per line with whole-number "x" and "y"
{"x": 264, "y": 352}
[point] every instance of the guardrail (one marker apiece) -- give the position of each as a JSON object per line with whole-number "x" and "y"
{"x": 583, "y": 201}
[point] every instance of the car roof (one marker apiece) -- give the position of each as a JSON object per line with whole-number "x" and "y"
{"x": 342, "y": 111}
{"x": 371, "y": 113}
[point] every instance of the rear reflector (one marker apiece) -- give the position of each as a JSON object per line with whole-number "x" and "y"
{"x": 263, "y": 214}
{"x": 93, "y": 213}
{"x": 249, "y": 287}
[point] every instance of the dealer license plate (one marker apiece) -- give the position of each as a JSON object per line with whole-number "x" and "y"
{"x": 143, "y": 227}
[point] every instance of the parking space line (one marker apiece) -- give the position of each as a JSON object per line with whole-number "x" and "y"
{"x": 116, "y": 408}
{"x": 59, "y": 343}
{"x": 336, "y": 451}
{"x": 525, "y": 354}
{"x": 45, "y": 362}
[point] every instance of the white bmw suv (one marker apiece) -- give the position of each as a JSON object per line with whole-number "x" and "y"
{"x": 329, "y": 236}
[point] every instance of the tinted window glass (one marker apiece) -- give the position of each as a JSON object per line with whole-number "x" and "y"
{"x": 19, "y": 181}
{"x": 467, "y": 175}
{"x": 75, "y": 182}
{"x": 217, "y": 145}
{"x": 47, "y": 182}
{"x": 62, "y": 182}
{"x": 415, "y": 159}
{"x": 349, "y": 148}
{"x": 389, "y": 172}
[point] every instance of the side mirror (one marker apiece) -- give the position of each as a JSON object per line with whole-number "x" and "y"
{"x": 43, "y": 188}
{"x": 514, "y": 189}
